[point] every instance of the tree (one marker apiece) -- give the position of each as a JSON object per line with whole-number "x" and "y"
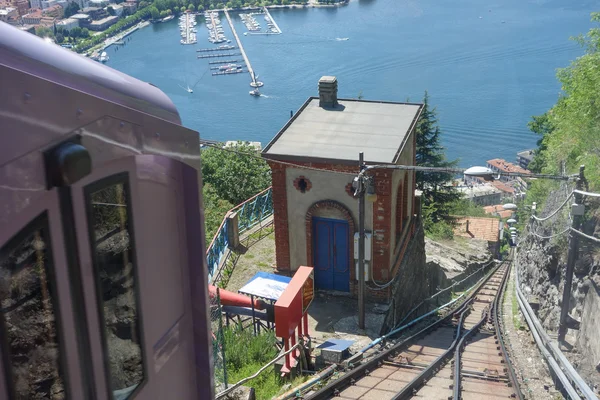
{"x": 71, "y": 9}
{"x": 60, "y": 38}
{"x": 85, "y": 33}
{"x": 76, "y": 32}
{"x": 191, "y": 7}
{"x": 154, "y": 12}
{"x": 236, "y": 173}
{"x": 215, "y": 209}
{"x": 438, "y": 192}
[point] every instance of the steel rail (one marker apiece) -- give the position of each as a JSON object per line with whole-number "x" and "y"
{"x": 431, "y": 370}
{"x": 496, "y": 319}
{"x": 332, "y": 388}
{"x": 456, "y": 387}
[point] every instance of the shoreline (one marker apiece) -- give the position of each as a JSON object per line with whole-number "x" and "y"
{"x": 111, "y": 40}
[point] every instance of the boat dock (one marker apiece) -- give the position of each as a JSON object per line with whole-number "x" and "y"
{"x": 223, "y": 62}
{"x": 239, "y": 43}
{"x": 220, "y": 48}
{"x": 229, "y": 72}
{"x": 218, "y": 55}
{"x": 268, "y": 14}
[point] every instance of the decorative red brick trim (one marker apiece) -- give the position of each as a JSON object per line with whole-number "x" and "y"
{"x": 349, "y": 189}
{"x": 302, "y": 184}
{"x": 280, "y": 218}
{"x": 328, "y": 204}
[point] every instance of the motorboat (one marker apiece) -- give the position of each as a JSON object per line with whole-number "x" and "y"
{"x": 103, "y": 57}
{"x": 255, "y": 93}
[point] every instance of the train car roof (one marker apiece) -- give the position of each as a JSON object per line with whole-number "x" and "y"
{"x": 33, "y": 55}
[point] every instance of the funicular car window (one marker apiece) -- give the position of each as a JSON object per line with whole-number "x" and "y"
{"x": 113, "y": 249}
{"x": 29, "y": 324}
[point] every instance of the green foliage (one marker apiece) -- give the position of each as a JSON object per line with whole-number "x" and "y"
{"x": 437, "y": 194}
{"x": 464, "y": 207}
{"x": 71, "y": 9}
{"x": 440, "y": 230}
{"x": 571, "y": 129}
{"x": 215, "y": 209}
{"x": 60, "y": 38}
{"x": 237, "y": 173}
{"x": 245, "y": 354}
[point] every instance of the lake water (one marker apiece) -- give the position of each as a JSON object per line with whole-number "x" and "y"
{"x": 488, "y": 67}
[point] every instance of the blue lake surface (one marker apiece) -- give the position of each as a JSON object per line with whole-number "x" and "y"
{"x": 488, "y": 66}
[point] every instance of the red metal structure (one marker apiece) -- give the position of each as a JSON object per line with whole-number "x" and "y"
{"x": 291, "y": 316}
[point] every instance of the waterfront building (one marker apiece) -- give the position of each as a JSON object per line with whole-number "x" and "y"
{"x": 524, "y": 158}
{"x": 95, "y": 13}
{"x": 68, "y": 23}
{"x": 129, "y": 6}
{"x": 499, "y": 165}
{"x": 483, "y": 194}
{"x": 118, "y": 9}
{"x": 315, "y": 211}
{"x": 102, "y": 24}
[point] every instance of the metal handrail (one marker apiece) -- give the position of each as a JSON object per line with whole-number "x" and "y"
{"x": 250, "y": 213}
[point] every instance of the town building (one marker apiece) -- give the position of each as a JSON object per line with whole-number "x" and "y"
{"x": 482, "y": 228}
{"x": 98, "y": 3}
{"x": 36, "y": 4}
{"x": 22, "y": 6}
{"x": 315, "y": 213}
{"x": 68, "y": 23}
{"x": 524, "y": 158}
{"x": 118, "y": 9}
{"x": 81, "y": 18}
{"x": 102, "y": 24}
{"x": 499, "y": 165}
{"x": 129, "y": 7}
{"x": 33, "y": 18}
{"x": 55, "y": 11}
{"x": 95, "y": 13}
{"x": 48, "y": 3}
{"x": 483, "y": 194}
{"x": 8, "y": 13}
{"x": 48, "y": 22}
{"x": 498, "y": 211}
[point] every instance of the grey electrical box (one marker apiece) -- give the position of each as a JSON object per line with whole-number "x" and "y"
{"x": 577, "y": 209}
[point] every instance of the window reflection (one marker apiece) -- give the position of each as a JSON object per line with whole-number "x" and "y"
{"x": 29, "y": 321}
{"x": 113, "y": 250}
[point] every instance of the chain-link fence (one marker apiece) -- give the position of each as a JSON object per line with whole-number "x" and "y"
{"x": 218, "y": 341}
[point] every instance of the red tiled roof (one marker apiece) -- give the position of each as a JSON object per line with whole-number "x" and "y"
{"x": 34, "y": 13}
{"x": 506, "y": 166}
{"x": 503, "y": 187}
{"x": 479, "y": 228}
{"x": 498, "y": 210}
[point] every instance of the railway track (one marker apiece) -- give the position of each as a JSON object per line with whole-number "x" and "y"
{"x": 460, "y": 356}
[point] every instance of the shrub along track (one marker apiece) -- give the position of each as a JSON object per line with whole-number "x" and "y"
{"x": 460, "y": 356}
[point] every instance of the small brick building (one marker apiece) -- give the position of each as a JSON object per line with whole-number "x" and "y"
{"x": 316, "y": 215}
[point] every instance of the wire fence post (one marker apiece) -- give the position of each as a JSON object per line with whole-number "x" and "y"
{"x": 218, "y": 338}
{"x": 577, "y": 211}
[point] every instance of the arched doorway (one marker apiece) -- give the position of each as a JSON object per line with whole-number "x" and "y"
{"x": 329, "y": 238}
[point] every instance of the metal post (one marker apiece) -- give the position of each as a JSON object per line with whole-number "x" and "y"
{"x": 361, "y": 249}
{"x": 221, "y": 336}
{"x": 577, "y": 212}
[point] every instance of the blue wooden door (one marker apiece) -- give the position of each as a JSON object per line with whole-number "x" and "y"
{"x": 330, "y": 244}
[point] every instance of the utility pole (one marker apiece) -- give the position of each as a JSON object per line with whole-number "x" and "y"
{"x": 361, "y": 244}
{"x": 577, "y": 211}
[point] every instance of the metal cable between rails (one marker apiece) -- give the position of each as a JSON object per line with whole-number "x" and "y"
{"x": 584, "y": 193}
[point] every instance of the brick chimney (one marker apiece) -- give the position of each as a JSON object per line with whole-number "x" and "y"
{"x": 328, "y": 92}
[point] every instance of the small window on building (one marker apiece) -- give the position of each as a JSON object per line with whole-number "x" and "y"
{"x": 29, "y": 315}
{"x": 113, "y": 249}
{"x": 302, "y": 184}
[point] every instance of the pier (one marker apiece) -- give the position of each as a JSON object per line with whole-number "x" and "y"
{"x": 272, "y": 20}
{"x": 218, "y": 55}
{"x": 228, "y": 72}
{"x": 223, "y": 62}
{"x": 239, "y": 43}
{"x": 220, "y": 48}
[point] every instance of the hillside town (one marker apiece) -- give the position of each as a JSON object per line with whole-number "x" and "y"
{"x": 77, "y": 19}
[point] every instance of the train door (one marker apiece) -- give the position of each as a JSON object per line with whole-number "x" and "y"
{"x": 39, "y": 335}
{"x": 130, "y": 219}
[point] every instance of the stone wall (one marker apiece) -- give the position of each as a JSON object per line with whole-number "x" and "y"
{"x": 541, "y": 265}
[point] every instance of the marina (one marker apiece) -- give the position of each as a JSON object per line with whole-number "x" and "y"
{"x": 187, "y": 22}
{"x": 273, "y": 27}
{"x": 215, "y": 29}
{"x": 228, "y": 72}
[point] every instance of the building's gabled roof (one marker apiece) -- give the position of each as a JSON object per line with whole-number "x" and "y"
{"x": 379, "y": 129}
{"x": 506, "y": 166}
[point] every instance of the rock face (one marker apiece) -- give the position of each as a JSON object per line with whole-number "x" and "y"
{"x": 541, "y": 266}
{"x": 421, "y": 276}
